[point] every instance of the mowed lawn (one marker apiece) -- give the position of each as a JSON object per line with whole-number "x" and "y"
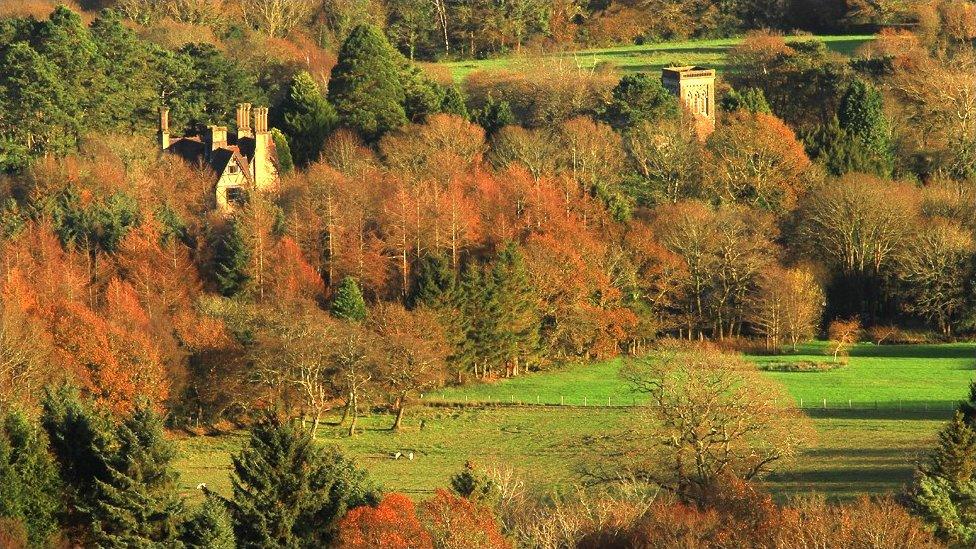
{"x": 856, "y": 451}
{"x": 647, "y": 57}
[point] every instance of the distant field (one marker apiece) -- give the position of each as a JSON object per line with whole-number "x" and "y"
{"x": 886, "y": 374}
{"x": 648, "y": 57}
{"x": 857, "y": 451}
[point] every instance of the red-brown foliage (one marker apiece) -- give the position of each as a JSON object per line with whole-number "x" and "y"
{"x": 458, "y": 523}
{"x": 392, "y": 524}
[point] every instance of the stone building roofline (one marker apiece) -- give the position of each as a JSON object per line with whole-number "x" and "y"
{"x": 690, "y": 71}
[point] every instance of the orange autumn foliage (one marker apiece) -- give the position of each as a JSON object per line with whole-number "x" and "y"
{"x": 392, "y": 524}
{"x": 458, "y": 523}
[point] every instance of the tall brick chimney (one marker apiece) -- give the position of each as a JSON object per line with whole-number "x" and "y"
{"x": 243, "y": 120}
{"x": 264, "y": 170}
{"x": 164, "y": 128}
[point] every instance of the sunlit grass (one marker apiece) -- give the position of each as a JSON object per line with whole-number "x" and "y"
{"x": 647, "y": 57}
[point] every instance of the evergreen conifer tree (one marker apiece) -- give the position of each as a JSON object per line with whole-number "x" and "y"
{"x": 495, "y": 115}
{"x": 637, "y": 98}
{"x": 435, "y": 282}
{"x": 283, "y": 151}
{"x": 365, "y": 86}
{"x": 209, "y": 527}
{"x": 307, "y": 118}
{"x": 861, "y": 116}
{"x": 136, "y": 504}
{"x": 348, "y": 303}
{"x": 232, "y": 259}
{"x": 30, "y": 488}
{"x": 512, "y": 302}
{"x": 289, "y": 492}
{"x": 453, "y": 102}
{"x": 81, "y": 441}
{"x": 750, "y": 100}
{"x": 944, "y": 490}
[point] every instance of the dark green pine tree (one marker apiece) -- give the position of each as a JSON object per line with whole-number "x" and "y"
{"x": 454, "y": 103}
{"x": 307, "y": 118}
{"x": 129, "y": 98}
{"x": 637, "y": 98}
{"x": 751, "y": 100}
{"x": 232, "y": 260}
{"x": 365, "y": 86}
{"x": 81, "y": 441}
{"x": 512, "y": 303}
{"x": 67, "y": 43}
{"x": 435, "y": 283}
{"x": 421, "y": 96}
{"x": 494, "y": 115}
{"x": 348, "y": 303}
{"x": 943, "y": 492}
{"x": 283, "y": 151}
{"x": 289, "y": 492}
{"x": 209, "y": 527}
{"x": 475, "y": 349}
{"x": 38, "y": 114}
{"x": 137, "y": 505}
{"x": 30, "y": 488}
{"x": 861, "y": 116}
{"x": 219, "y": 83}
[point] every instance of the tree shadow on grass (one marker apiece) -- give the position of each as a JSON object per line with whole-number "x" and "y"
{"x": 917, "y": 351}
{"x": 929, "y": 410}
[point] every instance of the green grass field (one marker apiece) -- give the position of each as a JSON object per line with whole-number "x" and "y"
{"x": 856, "y": 451}
{"x": 648, "y": 57}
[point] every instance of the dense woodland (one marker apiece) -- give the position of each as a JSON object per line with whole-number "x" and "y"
{"x": 427, "y": 232}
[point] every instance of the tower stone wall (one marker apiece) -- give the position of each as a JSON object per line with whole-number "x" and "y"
{"x": 695, "y": 87}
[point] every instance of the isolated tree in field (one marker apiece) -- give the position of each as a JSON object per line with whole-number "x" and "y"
{"x": 307, "y": 118}
{"x": 843, "y": 334}
{"x": 289, "y": 492}
{"x": 862, "y": 117}
{"x": 639, "y": 98}
{"x": 348, "y": 303}
{"x": 30, "y": 488}
{"x": 365, "y": 86}
{"x": 709, "y": 416}
{"x": 356, "y": 356}
{"x": 209, "y": 526}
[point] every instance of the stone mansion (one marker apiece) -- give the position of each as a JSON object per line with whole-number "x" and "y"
{"x": 247, "y": 163}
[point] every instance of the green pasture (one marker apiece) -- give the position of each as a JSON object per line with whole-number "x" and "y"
{"x": 647, "y": 57}
{"x": 856, "y": 451}
{"x": 882, "y": 374}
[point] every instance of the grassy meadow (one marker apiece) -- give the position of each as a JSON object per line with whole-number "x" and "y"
{"x": 856, "y": 450}
{"x": 647, "y": 57}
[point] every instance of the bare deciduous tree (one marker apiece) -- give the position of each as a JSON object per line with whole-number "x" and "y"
{"x": 709, "y": 416}
{"x": 787, "y": 306}
{"x": 276, "y": 17}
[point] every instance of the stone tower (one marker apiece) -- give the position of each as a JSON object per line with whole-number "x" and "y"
{"x": 695, "y": 86}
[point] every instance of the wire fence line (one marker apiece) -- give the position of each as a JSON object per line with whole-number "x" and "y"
{"x": 576, "y": 401}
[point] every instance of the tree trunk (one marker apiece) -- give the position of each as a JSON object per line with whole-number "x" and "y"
{"x": 355, "y": 414}
{"x": 345, "y": 412}
{"x": 315, "y": 423}
{"x": 398, "y": 421}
